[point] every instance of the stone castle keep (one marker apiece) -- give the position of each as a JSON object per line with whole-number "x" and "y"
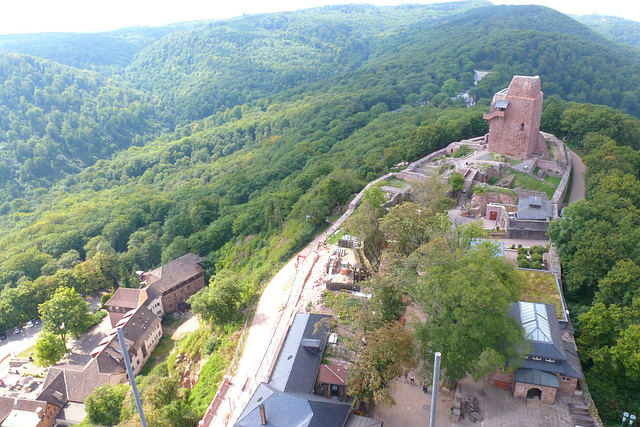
{"x": 514, "y": 120}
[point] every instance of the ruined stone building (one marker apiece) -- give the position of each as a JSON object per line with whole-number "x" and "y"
{"x": 514, "y": 120}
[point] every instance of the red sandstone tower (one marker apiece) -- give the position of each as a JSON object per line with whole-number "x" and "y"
{"x": 514, "y": 120}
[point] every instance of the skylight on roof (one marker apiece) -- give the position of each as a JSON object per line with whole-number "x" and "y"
{"x": 502, "y": 103}
{"x": 535, "y": 322}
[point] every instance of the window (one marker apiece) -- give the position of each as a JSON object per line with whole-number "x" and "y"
{"x": 566, "y": 379}
{"x": 522, "y": 127}
{"x": 550, "y": 360}
{"x": 536, "y": 357}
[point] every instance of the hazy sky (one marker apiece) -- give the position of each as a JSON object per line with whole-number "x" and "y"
{"x": 31, "y": 16}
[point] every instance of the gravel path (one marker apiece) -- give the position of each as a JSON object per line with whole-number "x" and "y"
{"x": 577, "y": 185}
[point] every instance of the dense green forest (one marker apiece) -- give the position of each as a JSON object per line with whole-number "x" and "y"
{"x": 597, "y": 239}
{"x": 239, "y": 139}
{"x": 618, "y": 29}
{"x": 107, "y": 52}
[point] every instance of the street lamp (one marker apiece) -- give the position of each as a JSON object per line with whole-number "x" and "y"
{"x": 625, "y": 417}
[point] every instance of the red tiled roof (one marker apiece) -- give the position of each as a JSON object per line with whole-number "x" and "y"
{"x": 333, "y": 374}
{"x": 127, "y": 297}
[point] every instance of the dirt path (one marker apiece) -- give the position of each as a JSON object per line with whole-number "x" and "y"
{"x": 577, "y": 184}
{"x": 190, "y": 325}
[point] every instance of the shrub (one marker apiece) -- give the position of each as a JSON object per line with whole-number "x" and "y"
{"x": 94, "y": 319}
{"x": 462, "y": 151}
{"x": 523, "y": 263}
{"x": 537, "y": 265}
{"x": 536, "y": 257}
{"x": 538, "y": 249}
{"x": 104, "y": 298}
{"x": 104, "y": 405}
{"x": 212, "y": 344}
{"x": 521, "y": 251}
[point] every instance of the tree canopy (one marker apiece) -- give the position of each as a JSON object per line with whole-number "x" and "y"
{"x": 65, "y": 313}
{"x": 466, "y": 294}
{"x": 597, "y": 239}
{"x": 104, "y": 405}
{"x": 386, "y": 354}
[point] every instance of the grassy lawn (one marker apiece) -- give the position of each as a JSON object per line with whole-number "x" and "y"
{"x": 540, "y": 286}
{"x": 522, "y": 180}
{"x": 484, "y": 189}
{"x": 513, "y": 162}
{"x": 462, "y": 151}
{"x": 554, "y": 180}
{"x": 342, "y": 304}
{"x": 396, "y": 182}
{"x": 335, "y": 237}
{"x": 159, "y": 354}
{"x": 25, "y": 353}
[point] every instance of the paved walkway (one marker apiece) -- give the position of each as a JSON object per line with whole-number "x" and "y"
{"x": 271, "y": 321}
{"x": 79, "y": 349}
{"x": 577, "y": 183}
{"x": 497, "y": 406}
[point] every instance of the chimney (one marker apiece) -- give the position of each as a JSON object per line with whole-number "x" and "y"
{"x": 39, "y": 412}
{"x": 263, "y": 415}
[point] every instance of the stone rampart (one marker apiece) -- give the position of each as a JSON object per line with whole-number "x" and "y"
{"x": 557, "y": 200}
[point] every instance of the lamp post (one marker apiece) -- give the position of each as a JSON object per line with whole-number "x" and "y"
{"x": 625, "y": 416}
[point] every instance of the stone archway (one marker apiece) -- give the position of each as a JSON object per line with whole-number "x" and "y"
{"x": 533, "y": 393}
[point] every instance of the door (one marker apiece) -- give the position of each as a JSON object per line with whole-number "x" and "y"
{"x": 493, "y": 215}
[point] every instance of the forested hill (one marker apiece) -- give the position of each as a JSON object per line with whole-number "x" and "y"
{"x": 615, "y": 28}
{"x": 232, "y": 62}
{"x": 238, "y": 140}
{"x": 107, "y": 51}
{"x": 56, "y": 120}
{"x": 268, "y": 105}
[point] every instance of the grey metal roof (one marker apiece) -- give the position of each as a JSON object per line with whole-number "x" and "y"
{"x": 572, "y": 368}
{"x": 502, "y": 103}
{"x": 72, "y": 413}
{"x": 329, "y": 413}
{"x": 288, "y": 397}
{"x": 293, "y": 410}
{"x": 298, "y": 363}
{"x": 281, "y": 409}
{"x": 360, "y": 421}
{"x": 534, "y": 320}
{"x": 535, "y": 208}
{"x": 566, "y": 360}
{"x": 536, "y": 377}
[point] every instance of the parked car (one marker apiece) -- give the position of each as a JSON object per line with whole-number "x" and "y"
{"x": 16, "y": 330}
{"x": 37, "y": 321}
{"x": 30, "y": 324}
{"x": 3, "y": 336}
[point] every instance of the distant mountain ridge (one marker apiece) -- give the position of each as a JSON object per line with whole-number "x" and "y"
{"x": 618, "y": 29}
{"x": 239, "y": 139}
